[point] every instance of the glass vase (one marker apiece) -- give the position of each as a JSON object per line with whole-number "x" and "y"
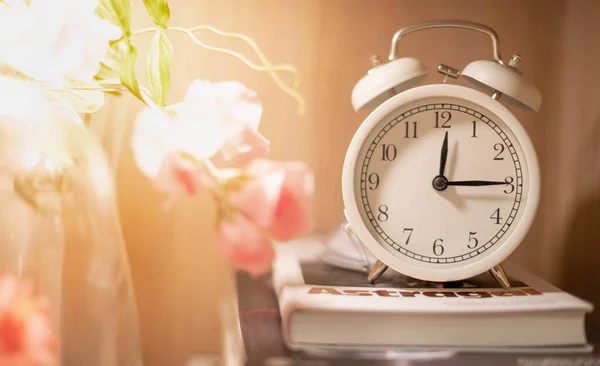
{"x": 59, "y": 229}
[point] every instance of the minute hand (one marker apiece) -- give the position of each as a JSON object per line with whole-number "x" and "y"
{"x": 475, "y": 183}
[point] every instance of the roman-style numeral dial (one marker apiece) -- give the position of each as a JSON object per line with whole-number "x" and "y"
{"x": 441, "y": 182}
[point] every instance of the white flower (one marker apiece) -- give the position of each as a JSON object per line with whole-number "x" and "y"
{"x": 36, "y": 143}
{"x": 28, "y": 124}
{"x": 55, "y": 39}
{"x": 20, "y": 120}
{"x": 215, "y": 121}
{"x": 211, "y": 113}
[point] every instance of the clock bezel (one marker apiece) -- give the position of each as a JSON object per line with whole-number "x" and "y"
{"x": 402, "y": 265}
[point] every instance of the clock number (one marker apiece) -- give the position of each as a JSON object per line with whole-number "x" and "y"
{"x": 500, "y": 149}
{"x": 388, "y": 152}
{"x": 438, "y": 249}
{"x": 509, "y": 182}
{"x": 447, "y": 116}
{"x": 410, "y": 231}
{"x": 473, "y": 240}
{"x": 474, "y": 129}
{"x": 414, "y": 132}
{"x": 496, "y": 216}
{"x": 383, "y": 216}
{"x": 374, "y": 180}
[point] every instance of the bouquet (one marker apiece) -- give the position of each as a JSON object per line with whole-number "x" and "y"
{"x": 58, "y": 60}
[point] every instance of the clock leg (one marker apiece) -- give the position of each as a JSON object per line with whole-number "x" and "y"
{"x": 498, "y": 273}
{"x": 377, "y": 271}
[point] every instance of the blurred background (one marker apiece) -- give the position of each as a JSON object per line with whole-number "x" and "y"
{"x": 178, "y": 274}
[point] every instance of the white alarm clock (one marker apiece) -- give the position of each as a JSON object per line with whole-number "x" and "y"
{"x": 441, "y": 182}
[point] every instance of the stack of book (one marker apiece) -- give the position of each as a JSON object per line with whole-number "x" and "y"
{"x": 308, "y": 309}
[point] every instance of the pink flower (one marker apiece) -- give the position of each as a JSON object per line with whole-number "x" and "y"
{"x": 278, "y": 199}
{"x": 240, "y": 149}
{"x": 55, "y": 39}
{"x": 179, "y": 176}
{"x": 245, "y": 245}
{"x": 26, "y": 337}
{"x": 275, "y": 204}
{"x": 215, "y": 121}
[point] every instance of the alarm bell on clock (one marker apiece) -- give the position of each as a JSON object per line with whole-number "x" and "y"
{"x": 441, "y": 182}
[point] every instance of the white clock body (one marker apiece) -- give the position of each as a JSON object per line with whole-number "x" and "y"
{"x": 460, "y": 231}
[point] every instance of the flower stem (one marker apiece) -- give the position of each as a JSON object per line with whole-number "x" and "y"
{"x": 145, "y": 30}
{"x": 266, "y": 64}
{"x": 114, "y": 89}
{"x": 271, "y": 69}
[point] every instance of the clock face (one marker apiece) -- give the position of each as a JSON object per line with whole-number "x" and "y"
{"x": 441, "y": 182}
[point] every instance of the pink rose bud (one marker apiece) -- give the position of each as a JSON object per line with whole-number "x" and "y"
{"x": 245, "y": 245}
{"x": 278, "y": 198}
{"x": 26, "y": 336}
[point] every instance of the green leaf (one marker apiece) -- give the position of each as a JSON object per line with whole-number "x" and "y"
{"x": 111, "y": 65}
{"x": 128, "y": 78}
{"x": 116, "y": 11}
{"x": 159, "y": 11}
{"x": 107, "y": 72}
{"x": 159, "y": 67}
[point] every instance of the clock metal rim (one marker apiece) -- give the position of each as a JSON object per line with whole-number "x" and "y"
{"x": 402, "y": 265}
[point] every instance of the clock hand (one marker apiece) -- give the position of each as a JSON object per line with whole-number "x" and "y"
{"x": 444, "y": 155}
{"x": 476, "y": 183}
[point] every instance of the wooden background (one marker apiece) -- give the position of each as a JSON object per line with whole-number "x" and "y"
{"x": 178, "y": 275}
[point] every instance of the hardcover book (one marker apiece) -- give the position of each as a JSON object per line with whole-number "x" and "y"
{"x": 252, "y": 336}
{"x": 324, "y": 306}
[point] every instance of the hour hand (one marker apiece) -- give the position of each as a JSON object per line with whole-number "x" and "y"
{"x": 443, "y": 155}
{"x": 475, "y": 183}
